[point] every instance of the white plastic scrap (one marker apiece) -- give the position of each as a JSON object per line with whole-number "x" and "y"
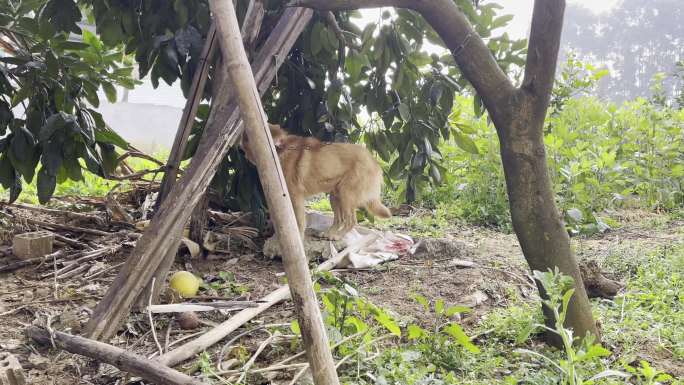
{"x": 387, "y": 247}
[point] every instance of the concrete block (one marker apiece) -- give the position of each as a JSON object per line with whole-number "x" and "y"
{"x": 32, "y": 245}
{"x": 11, "y": 372}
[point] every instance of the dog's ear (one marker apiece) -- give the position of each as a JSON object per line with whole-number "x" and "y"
{"x": 278, "y": 135}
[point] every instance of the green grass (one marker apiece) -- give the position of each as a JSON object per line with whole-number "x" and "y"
{"x": 646, "y": 323}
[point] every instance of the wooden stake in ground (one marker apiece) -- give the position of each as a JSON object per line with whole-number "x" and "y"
{"x": 278, "y": 199}
{"x": 151, "y": 255}
{"x": 150, "y": 370}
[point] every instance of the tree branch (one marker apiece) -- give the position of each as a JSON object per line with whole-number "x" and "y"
{"x": 542, "y": 55}
{"x": 468, "y": 49}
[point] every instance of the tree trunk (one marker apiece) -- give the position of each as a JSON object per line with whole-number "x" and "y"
{"x": 536, "y": 220}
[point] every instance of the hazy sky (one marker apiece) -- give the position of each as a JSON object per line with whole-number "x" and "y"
{"x": 522, "y": 12}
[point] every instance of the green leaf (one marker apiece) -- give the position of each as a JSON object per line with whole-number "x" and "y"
{"x": 110, "y": 91}
{"x": 594, "y": 351}
{"x": 294, "y": 326}
{"x": 439, "y": 306}
{"x": 62, "y": 15}
{"x": 22, "y": 144}
{"x": 415, "y": 332}
{"x": 455, "y": 331}
{"x": 501, "y": 21}
{"x": 457, "y": 310}
{"x": 109, "y": 136}
{"x": 465, "y": 143}
{"x": 566, "y": 299}
{"x": 45, "y": 185}
{"x": 73, "y": 168}
{"x": 7, "y": 174}
{"x": 404, "y": 112}
{"x": 92, "y": 161}
{"x": 478, "y": 106}
{"x": 15, "y": 190}
{"x": 385, "y": 320}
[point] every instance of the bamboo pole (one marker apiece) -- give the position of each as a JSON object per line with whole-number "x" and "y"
{"x": 280, "y": 207}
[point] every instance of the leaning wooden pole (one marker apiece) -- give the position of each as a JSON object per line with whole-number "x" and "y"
{"x": 277, "y": 197}
{"x": 199, "y": 80}
{"x": 152, "y": 252}
{"x": 150, "y": 370}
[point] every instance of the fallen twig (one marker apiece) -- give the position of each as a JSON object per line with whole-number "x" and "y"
{"x": 67, "y": 227}
{"x": 150, "y": 370}
{"x": 28, "y": 262}
{"x": 205, "y": 306}
{"x": 83, "y": 256}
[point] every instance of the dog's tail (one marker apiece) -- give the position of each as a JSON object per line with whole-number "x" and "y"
{"x": 378, "y": 209}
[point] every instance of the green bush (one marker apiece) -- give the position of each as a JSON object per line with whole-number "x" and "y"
{"x": 600, "y": 155}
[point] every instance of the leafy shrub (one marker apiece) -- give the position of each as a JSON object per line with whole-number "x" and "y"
{"x": 600, "y": 155}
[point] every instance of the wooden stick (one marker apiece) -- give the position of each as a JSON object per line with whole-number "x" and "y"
{"x": 188, "y": 119}
{"x": 189, "y": 349}
{"x": 150, "y": 370}
{"x": 28, "y": 262}
{"x": 280, "y": 207}
{"x": 151, "y": 256}
{"x": 205, "y": 306}
{"x": 67, "y": 227}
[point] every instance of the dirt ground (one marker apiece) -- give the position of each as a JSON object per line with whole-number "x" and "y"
{"x": 30, "y": 294}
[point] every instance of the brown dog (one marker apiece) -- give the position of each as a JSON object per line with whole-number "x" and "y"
{"x": 347, "y": 172}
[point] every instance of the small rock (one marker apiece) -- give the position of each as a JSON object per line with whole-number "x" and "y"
{"x": 41, "y": 292}
{"x": 475, "y": 299}
{"x": 70, "y": 319}
{"x": 92, "y": 288}
{"x": 188, "y": 320}
{"x": 96, "y": 268}
{"x": 314, "y": 247}
{"x": 442, "y": 248}
{"x": 461, "y": 263}
{"x": 38, "y": 362}
{"x": 11, "y": 372}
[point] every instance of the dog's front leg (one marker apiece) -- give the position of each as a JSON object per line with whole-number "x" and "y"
{"x": 300, "y": 213}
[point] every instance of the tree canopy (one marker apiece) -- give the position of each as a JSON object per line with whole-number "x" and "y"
{"x": 336, "y": 73}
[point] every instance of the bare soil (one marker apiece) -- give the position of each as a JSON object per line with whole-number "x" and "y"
{"x": 27, "y": 295}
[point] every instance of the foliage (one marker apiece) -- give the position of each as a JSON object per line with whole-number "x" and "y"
{"x": 651, "y": 311}
{"x": 572, "y": 372}
{"x": 48, "y": 88}
{"x": 600, "y": 155}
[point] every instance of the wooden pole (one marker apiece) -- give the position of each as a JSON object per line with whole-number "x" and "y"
{"x": 165, "y": 229}
{"x": 150, "y": 370}
{"x": 187, "y": 120}
{"x": 280, "y": 207}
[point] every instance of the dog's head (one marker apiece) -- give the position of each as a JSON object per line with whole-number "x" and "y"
{"x": 277, "y": 133}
